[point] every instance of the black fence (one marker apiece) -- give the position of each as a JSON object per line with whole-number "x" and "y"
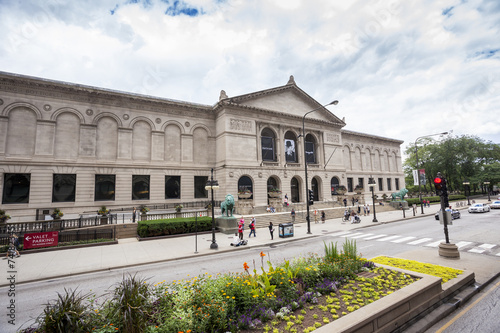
{"x": 56, "y": 225}
{"x": 69, "y": 235}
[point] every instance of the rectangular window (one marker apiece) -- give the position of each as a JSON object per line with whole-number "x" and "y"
{"x": 16, "y": 188}
{"x": 172, "y": 187}
{"x": 63, "y": 187}
{"x": 140, "y": 187}
{"x": 349, "y": 185}
{"x": 380, "y": 184}
{"x": 389, "y": 187}
{"x": 104, "y": 187}
{"x": 267, "y": 149}
{"x": 361, "y": 182}
{"x": 397, "y": 184}
{"x": 199, "y": 187}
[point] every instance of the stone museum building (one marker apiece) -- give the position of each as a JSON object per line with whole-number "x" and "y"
{"x": 79, "y": 147}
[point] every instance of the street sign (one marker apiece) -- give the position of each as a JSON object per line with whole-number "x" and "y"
{"x": 40, "y": 239}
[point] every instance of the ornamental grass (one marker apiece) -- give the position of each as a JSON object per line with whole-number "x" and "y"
{"x": 289, "y": 296}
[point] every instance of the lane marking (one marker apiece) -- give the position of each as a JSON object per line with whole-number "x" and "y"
{"x": 435, "y": 244}
{"x": 340, "y": 233}
{"x": 387, "y": 238}
{"x": 418, "y": 241}
{"x": 404, "y": 239}
{"x": 374, "y": 237}
{"x": 487, "y": 246}
{"x": 362, "y": 235}
{"x": 462, "y": 244}
{"x": 355, "y": 234}
{"x": 464, "y": 311}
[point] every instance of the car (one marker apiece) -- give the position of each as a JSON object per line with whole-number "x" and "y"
{"x": 455, "y": 214}
{"x": 479, "y": 208}
{"x": 495, "y": 204}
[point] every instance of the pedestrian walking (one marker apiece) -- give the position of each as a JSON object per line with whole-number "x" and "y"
{"x": 133, "y": 215}
{"x": 359, "y": 210}
{"x": 292, "y": 213}
{"x": 240, "y": 231}
{"x": 368, "y": 209}
{"x": 315, "y": 216}
{"x": 364, "y": 210}
{"x": 271, "y": 229}
{"x": 346, "y": 215}
{"x": 323, "y": 216}
{"x": 14, "y": 243}
{"x": 352, "y": 201}
{"x": 252, "y": 228}
{"x": 345, "y": 202}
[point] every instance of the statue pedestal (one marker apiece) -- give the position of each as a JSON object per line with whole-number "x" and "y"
{"x": 227, "y": 225}
{"x": 395, "y": 204}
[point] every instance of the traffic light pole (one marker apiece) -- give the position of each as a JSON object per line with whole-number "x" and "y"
{"x": 445, "y": 217}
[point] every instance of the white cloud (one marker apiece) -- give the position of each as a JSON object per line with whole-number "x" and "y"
{"x": 400, "y": 69}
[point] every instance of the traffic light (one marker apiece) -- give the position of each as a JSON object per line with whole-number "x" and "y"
{"x": 438, "y": 184}
{"x": 311, "y": 197}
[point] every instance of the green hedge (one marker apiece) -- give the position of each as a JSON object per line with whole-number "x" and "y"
{"x": 454, "y": 197}
{"x": 175, "y": 226}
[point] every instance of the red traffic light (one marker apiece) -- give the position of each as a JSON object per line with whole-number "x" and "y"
{"x": 438, "y": 180}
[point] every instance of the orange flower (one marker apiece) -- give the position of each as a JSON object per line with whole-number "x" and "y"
{"x": 262, "y": 254}
{"x": 245, "y": 266}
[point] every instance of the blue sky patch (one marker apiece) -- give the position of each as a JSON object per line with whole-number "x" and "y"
{"x": 181, "y": 8}
{"x": 447, "y": 11}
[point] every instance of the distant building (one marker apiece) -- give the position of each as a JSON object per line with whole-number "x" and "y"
{"x": 78, "y": 147}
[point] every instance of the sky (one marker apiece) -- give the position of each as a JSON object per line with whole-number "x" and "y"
{"x": 399, "y": 69}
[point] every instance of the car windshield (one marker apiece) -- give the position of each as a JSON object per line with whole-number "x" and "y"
{"x": 477, "y": 205}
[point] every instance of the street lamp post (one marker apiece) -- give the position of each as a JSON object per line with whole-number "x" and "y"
{"x": 212, "y": 185}
{"x": 418, "y": 171}
{"x": 371, "y": 184}
{"x": 488, "y": 189}
{"x": 467, "y": 189}
{"x": 335, "y": 102}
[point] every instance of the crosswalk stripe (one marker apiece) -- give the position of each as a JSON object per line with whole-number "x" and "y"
{"x": 487, "y": 246}
{"x": 476, "y": 250}
{"x": 387, "y": 238}
{"x": 404, "y": 239}
{"x": 418, "y": 241}
{"x": 374, "y": 237}
{"x": 355, "y": 234}
{"x": 340, "y": 233}
{"x": 435, "y": 244}
{"x": 498, "y": 254}
{"x": 462, "y": 244}
{"x": 362, "y": 236}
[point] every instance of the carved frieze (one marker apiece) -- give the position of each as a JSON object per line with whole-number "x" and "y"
{"x": 240, "y": 125}
{"x": 334, "y": 138}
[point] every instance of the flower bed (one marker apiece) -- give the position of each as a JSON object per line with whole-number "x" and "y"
{"x": 445, "y": 273}
{"x": 296, "y": 296}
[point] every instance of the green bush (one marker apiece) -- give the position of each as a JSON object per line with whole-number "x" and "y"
{"x": 175, "y": 226}
{"x": 454, "y": 197}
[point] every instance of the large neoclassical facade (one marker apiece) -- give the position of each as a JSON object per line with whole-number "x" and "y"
{"x": 79, "y": 147}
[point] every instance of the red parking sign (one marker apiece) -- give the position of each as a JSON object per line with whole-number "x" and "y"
{"x": 40, "y": 239}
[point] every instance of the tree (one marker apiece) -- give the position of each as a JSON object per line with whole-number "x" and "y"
{"x": 460, "y": 158}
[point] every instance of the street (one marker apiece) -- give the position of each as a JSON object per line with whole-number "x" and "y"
{"x": 475, "y": 234}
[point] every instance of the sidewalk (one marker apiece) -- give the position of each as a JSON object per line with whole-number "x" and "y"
{"x": 130, "y": 252}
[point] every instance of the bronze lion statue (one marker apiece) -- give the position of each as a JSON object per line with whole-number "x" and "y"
{"x": 400, "y": 194}
{"x": 227, "y": 206}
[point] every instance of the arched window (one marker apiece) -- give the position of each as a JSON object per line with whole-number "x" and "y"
{"x": 334, "y": 184}
{"x": 272, "y": 184}
{"x": 310, "y": 149}
{"x": 290, "y": 147}
{"x": 245, "y": 186}
{"x": 267, "y": 141}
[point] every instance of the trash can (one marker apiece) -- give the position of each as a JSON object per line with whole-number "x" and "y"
{"x": 286, "y": 230}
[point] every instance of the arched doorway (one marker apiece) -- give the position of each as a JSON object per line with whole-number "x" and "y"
{"x": 315, "y": 188}
{"x": 295, "y": 188}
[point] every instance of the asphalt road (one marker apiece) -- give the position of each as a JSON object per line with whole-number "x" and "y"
{"x": 31, "y": 297}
